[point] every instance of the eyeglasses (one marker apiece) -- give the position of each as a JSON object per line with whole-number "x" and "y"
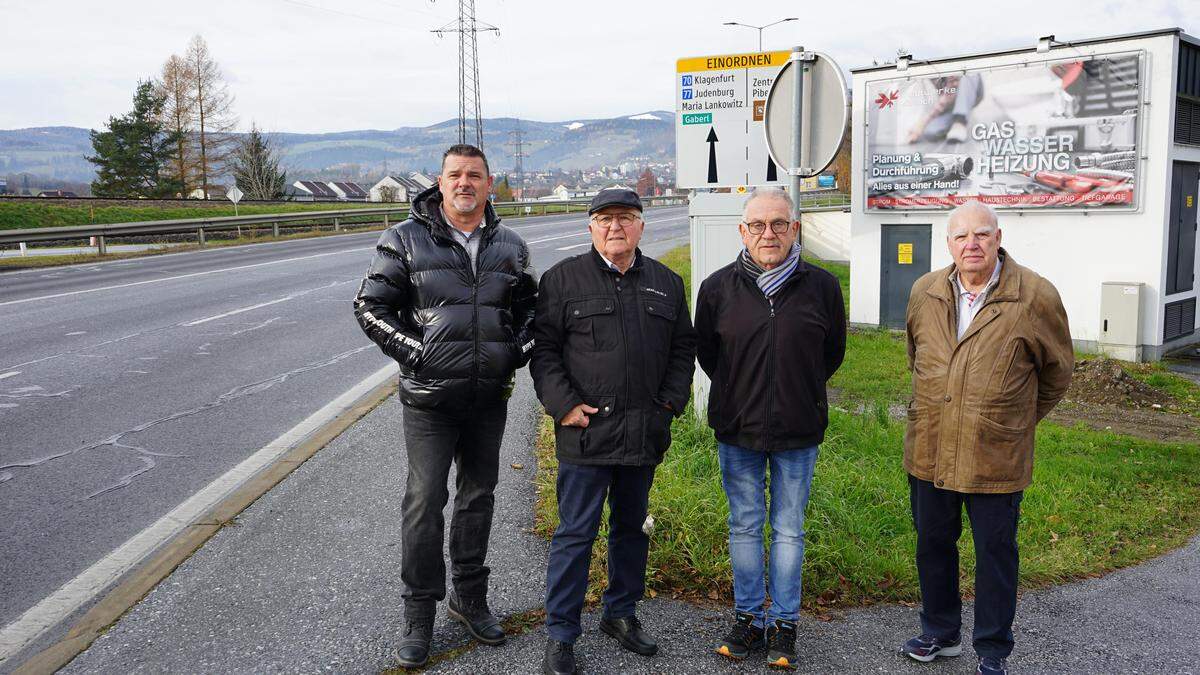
{"x": 618, "y": 220}
{"x": 777, "y": 226}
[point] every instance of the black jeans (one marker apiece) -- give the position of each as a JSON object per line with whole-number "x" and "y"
{"x": 435, "y": 437}
{"x": 581, "y": 493}
{"x": 937, "y": 515}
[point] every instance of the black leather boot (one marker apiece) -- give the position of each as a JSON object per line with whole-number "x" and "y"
{"x": 475, "y": 615}
{"x": 628, "y": 631}
{"x": 559, "y": 659}
{"x": 413, "y": 651}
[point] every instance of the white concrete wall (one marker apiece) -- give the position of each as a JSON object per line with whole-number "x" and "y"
{"x": 826, "y": 234}
{"x": 1077, "y": 251}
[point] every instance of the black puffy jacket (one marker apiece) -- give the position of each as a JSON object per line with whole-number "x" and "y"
{"x": 769, "y": 360}
{"x": 621, "y": 343}
{"x": 458, "y": 335}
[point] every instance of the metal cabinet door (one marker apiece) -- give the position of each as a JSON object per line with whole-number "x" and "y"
{"x": 904, "y": 257}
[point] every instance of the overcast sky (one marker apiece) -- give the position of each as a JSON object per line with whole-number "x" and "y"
{"x": 326, "y": 65}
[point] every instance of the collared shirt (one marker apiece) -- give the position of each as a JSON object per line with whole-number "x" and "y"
{"x": 612, "y": 266}
{"x": 470, "y": 242}
{"x": 968, "y": 302}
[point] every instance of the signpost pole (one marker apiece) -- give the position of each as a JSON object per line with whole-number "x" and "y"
{"x": 797, "y": 117}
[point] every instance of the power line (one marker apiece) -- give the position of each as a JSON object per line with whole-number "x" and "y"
{"x": 468, "y": 28}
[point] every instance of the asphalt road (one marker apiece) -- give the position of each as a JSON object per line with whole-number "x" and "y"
{"x": 127, "y": 386}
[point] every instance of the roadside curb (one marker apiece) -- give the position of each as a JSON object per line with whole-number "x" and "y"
{"x": 138, "y": 583}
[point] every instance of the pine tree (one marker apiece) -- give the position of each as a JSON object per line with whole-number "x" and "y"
{"x": 255, "y": 165}
{"x": 133, "y": 155}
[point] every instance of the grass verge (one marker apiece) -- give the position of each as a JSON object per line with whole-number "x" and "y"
{"x": 38, "y": 261}
{"x": 25, "y": 213}
{"x": 1099, "y": 501}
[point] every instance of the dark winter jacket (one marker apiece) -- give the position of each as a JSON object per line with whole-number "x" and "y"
{"x": 621, "y": 343}
{"x": 769, "y": 360}
{"x": 458, "y": 335}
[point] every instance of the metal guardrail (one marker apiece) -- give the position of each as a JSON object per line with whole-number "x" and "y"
{"x": 273, "y": 220}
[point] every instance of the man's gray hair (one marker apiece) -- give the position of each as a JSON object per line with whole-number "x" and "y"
{"x": 975, "y": 208}
{"x": 769, "y": 193}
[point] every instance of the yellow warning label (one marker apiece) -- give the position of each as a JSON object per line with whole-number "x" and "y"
{"x": 904, "y": 253}
{"x": 741, "y": 189}
{"x": 1189, "y": 201}
{"x": 732, "y": 61}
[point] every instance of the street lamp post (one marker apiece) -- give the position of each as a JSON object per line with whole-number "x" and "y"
{"x": 760, "y": 28}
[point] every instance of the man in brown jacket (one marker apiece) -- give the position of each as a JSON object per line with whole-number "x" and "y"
{"x": 990, "y": 354}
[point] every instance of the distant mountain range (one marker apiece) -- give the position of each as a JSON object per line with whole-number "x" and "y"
{"x": 58, "y": 152}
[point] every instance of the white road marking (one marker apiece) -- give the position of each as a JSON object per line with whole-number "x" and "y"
{"x": 268, "y": 303}
{"x": 561, "y": 236}
{"x": 187, "y": 276}
{"x": 585, "y": 234}
{"x": 78, "y": 332}
{"x": 91, "y": 582}
{"x": 197, "y": 322}
{"x": 9, "y": 374}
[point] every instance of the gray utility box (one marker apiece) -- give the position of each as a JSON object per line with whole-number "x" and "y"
{"x": 1121, "y": 320}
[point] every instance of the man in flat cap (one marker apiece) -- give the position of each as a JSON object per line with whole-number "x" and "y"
{"x": 612, "y": 362}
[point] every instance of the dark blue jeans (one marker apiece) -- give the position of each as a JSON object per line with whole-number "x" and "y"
{"x": 581, "y": 493}
{"x": 937, "y": 515}
{"x": 434, "y": 438}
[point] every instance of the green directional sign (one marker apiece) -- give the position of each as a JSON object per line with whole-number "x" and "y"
{"x": 698, "y": 118}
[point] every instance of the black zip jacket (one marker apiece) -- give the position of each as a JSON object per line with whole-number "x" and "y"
{"x": 621, "y": 343}
{"x": 458, "y": 335}
{"x": 769, "y": 360}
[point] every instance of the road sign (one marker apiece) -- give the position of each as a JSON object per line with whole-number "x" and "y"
{"x": 720, "y": 104}
{"x": 235, "y": 196}
{"x": 823, "y": 105}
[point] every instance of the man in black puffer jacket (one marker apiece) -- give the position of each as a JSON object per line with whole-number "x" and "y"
{"x": 450, "y": 295}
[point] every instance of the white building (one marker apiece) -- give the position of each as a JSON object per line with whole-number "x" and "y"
{"x": 312, "y": 190}
{"x": 348, "y": 191}
{"x": 1088, "y": 149}
{"x": 396, "y": 188}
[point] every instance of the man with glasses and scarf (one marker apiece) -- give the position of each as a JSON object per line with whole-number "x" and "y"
{"x": 772, "y": 331}
{"x": 612, "y": 362}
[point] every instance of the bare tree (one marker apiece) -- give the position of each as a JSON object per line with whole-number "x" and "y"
{"x": 213, "y": 112}
{"x": 255, "y": 165}
{"x": 388, "y": 193}
{"x": 175, "y": 86}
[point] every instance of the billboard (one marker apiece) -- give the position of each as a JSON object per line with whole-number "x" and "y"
{"x": 1056, "y": 134}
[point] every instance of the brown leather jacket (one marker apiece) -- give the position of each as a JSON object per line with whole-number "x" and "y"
{"x": 976, "y": 401}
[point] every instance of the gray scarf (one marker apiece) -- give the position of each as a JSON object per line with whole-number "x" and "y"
{"x": 770, "y": 281}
